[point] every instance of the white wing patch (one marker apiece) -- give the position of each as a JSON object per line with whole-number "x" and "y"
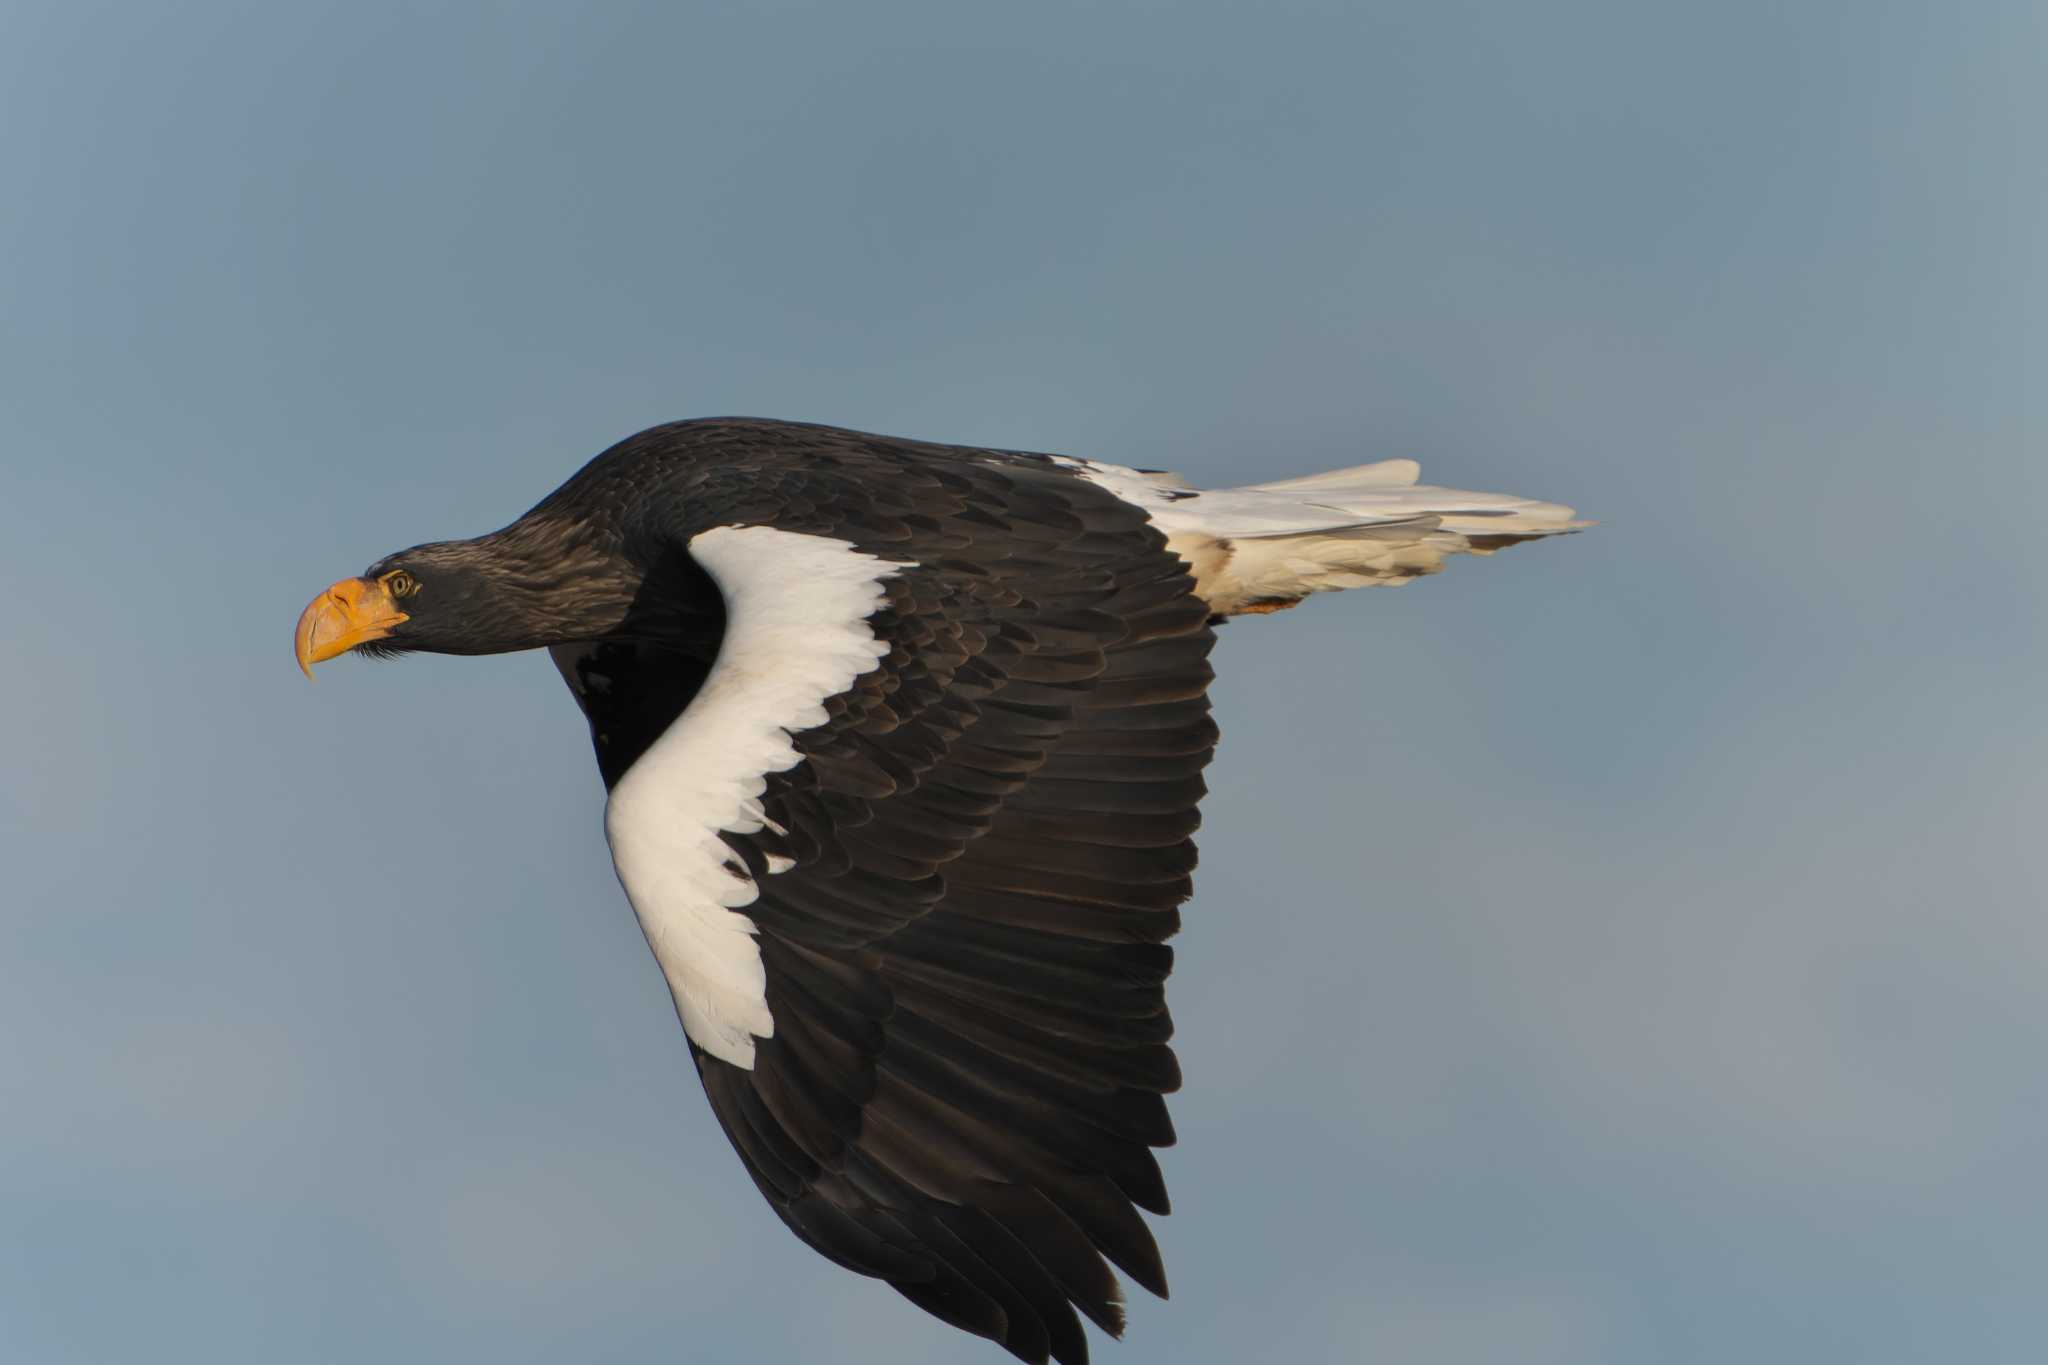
{"x": 796, "y": 633}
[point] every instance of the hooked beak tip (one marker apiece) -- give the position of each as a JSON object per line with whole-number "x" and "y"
{"x": 302, "y": 638}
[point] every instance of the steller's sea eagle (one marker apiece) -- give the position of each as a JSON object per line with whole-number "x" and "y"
{"x": 903, "y": 744}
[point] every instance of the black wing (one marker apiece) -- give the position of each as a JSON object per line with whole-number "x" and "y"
{"x": 986, "y": 843}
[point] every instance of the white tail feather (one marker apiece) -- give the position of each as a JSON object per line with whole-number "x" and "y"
{"x": 1268, "y": 545}
{"x": 1385, "y": 474}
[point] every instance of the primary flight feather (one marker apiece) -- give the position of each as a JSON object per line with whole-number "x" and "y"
{"x": 903, "y": 744}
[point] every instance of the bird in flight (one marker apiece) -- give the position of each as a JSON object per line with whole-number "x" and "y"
{"x": 903, "y": 744}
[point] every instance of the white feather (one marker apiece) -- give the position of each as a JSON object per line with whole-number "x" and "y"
{"x": 796, "y": 608}
{"x": 1273, "y": 543}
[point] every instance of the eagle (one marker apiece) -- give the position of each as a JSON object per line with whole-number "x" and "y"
{"x": 902, "y": 745}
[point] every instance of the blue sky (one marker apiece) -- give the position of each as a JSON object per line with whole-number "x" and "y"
{"x": 1624, "y": 949}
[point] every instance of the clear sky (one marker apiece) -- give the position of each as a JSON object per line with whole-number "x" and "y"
{"x": 1625, "y": 949}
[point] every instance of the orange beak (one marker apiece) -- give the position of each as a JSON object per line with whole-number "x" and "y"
{"x": 352, "y": 612}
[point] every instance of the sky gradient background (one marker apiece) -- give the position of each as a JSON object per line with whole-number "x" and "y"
{"x": 1625, "y": 949}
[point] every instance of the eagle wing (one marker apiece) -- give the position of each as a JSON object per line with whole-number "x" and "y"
{"x": 908, "y": 849}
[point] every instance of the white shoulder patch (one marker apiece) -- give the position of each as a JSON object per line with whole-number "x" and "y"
{"x": 796, "y": 633}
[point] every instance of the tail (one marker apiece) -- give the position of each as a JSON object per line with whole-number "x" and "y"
{"x": 1265, "y": 547}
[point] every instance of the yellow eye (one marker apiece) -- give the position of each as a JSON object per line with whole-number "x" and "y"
{"x": 401, "y": 584}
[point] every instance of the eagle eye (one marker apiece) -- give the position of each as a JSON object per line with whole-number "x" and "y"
{"x": 401, "y": 584}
